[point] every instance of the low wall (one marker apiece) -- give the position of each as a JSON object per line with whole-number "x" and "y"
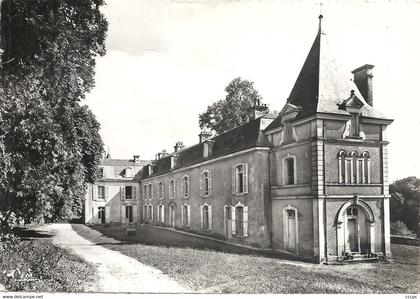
{"x": 405, "y": 240}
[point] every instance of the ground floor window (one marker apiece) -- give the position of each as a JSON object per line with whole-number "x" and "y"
{"x": 206, "y": 217}
{"x": 240, "y": 220}
{"x": 101, "y": 214}
{"x": 161, "y": 213}
{"x": 186, "y": 216}
{"x": 150, "y": 213}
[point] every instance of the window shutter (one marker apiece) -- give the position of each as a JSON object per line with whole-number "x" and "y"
{"x": 233, "y": 221}
{"x": 233, "y": 180}
{"x": 210, "y": 218}
{"x": 209, "y": 182}
{"x": 95, "y": 192}
{"x": 201, "y": 184}
{"x": 135, "y": 214}
{"x": 245, "y": 222}
{"x": 201, "y": 216}
{"x": 189, "y": 215}
{"x": 123, "y": 216}
{"x": 107, "y": 215}
{"x": 162, "y": 217}
{"x": 246, "y": 178}
{"x": 123, "y": 192}
{"x": 106, "y": 193}
{"x": 134, "y": 192}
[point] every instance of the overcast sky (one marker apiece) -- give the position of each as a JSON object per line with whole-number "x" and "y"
{"x": 167, "y": 61}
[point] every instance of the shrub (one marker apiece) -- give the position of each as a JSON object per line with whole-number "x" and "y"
{"x": 400, "y": 229}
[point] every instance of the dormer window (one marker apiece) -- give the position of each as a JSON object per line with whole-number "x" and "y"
{"x": 100, "y": 173}
{"x": 128, "y": 173}
{"x": 207, "y": 148}
{"x": 150, "y": 169}
{"x": 174, "y": 159}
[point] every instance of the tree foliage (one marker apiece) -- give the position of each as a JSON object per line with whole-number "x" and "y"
{"x": 49, "y": 143}
{"x": 232, "y": 111}
{"x": 405, "y": 202}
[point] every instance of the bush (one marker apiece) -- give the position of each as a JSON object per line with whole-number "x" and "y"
{"x": 400, "y": 229}
{"x": 38, "y": 265}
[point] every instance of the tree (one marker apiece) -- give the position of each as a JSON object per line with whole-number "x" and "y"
{"x": 405, "y": 202}
{"x": 49, "y": 143}
{"x": 232, "y": 111}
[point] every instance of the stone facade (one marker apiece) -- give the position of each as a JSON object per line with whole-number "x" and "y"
{"x": 311, "y": 181}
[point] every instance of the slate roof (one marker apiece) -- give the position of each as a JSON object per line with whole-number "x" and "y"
{"x": 240, "y": 138}
{"x": 123, "y": 162}
{"x": 321, "y": 87}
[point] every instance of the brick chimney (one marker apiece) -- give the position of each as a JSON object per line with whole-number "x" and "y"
{"x": 161, "y": 155}
{"x": 178, "y": 146}
{"x": 136, "y": 158}
{"x": 257, "y": 110}
{"x": 363, "y": 80}
{"x": 204, "y": 135}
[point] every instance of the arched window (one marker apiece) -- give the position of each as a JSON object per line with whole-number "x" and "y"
{"x": 145, "y": 212}
{"x": 186, "y": 215}
{"x": 161, "y": 190}
{"x": 366, "y": 167}
{"x": 354, "y": 167}
{"x": 161, "y": 213}
{"x": 150, "y": 212}
{"x": 205, "y": 183}
{"x": 150, "y": 191}
{"x": 342, "y": 166}
{"x": 144, "y": 191}
{"x": 172, "y": 188}
{"x": 186, "y": 186}
{"x": 240, "y": 220}
{"x": 240, "y": 179}
{"x": 206, "y": 217}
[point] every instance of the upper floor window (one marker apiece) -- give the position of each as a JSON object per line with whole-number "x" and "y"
{"x": 128, "y": 173}
{"x": 101, "y": 192}
{"x": 161, "y": 191}
{"x": 150, "y": 191}
{"x": 205, "y": 183}
{"x": 144, "y": 191}
{"x": 172, "y": 188}
{"x": 353, "y": 169}
{"x": 289, "y": 170}
{"x": 240, "y": 179}
{"x": 129, "y": 192}
{"x": 186, "y": 215}
{"x": 186, "y": 186}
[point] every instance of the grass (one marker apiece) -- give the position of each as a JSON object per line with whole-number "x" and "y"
{"x": 39, "y": 265}
{"x": 221, "y": 272}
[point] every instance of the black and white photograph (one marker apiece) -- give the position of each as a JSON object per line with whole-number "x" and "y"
{"x": 202, "y": 147}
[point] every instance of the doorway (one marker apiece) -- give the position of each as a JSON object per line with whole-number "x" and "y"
{"x": 101, "y": 214}
{"x": 291, "y": 230}
{"x": 228, "y": 222}
{"x": 356, "y": 234}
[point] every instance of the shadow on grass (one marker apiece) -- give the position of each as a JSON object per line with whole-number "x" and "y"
{"x": 30, "y": 233}
{"x": 155, "y": 236}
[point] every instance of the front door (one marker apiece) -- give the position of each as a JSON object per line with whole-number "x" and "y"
{"x": 228, "y": 222}
{"x": 101, "y": 214}
{"x": 352, "y": 227}
{"x": 291, "y": 230}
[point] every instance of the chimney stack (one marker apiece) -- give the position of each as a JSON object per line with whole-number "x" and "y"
{"x": 204, "y": 135}
{"x": 363, "y": 80}
{"x": 161, "y": 155}
{"x": 136, "y": 158}
{"x": 257, "y": 110}
{"x": 178, "y": 146}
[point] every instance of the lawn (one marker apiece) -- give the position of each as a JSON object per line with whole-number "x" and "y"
{"x": 211, "y": 271}
{"x": 31, "y": 262}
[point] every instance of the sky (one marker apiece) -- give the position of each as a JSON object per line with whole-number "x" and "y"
{"x": 167, "y": 61}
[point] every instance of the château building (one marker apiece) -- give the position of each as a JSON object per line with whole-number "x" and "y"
{"x": 311, "y": 181}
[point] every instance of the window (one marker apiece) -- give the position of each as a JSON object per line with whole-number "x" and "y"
{"x": 100, "y": 173}
{"x": 150, "y": 216}
{"x": 145, "y": 191}
{"x": 186, "y": 186}
{"x": 240, "y": 220}
{"x": 186, "y": 216}
{"x": 150, "y": 191}
{"x": 240, "y": 179}
{"x": 352, "y": 211}
{"x": 205, "y": 183}
{"x": 366, "y": 167}
{"x": 341, "y": 166}
{"x": 172, "y": 188}
{"x": 128, "y": 172}
{"x": 161, "y": 213}
{"x": 289, "y": 170}
{"x": 206, "y": 217}
{"x": 353, "y": 171}
{"x": 128, "y": 192}
{"x": 129, "y": 213}
{"x": 355, "y": 126}
{"x": 161, "y": 190}
{"x": 101, "y": 192}
{"x": 145, "y": 212}
{"x": 101, "y": 214}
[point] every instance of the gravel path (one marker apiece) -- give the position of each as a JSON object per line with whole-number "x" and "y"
{"x": 117, "y": 272}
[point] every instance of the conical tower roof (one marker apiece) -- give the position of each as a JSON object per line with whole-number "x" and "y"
{"x": 321, "y": 87}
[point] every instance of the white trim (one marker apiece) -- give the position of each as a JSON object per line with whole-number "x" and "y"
{"x": 244, "y": 179}
{"x": 286, "y": 228}
{"x": 289, "y": 156}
